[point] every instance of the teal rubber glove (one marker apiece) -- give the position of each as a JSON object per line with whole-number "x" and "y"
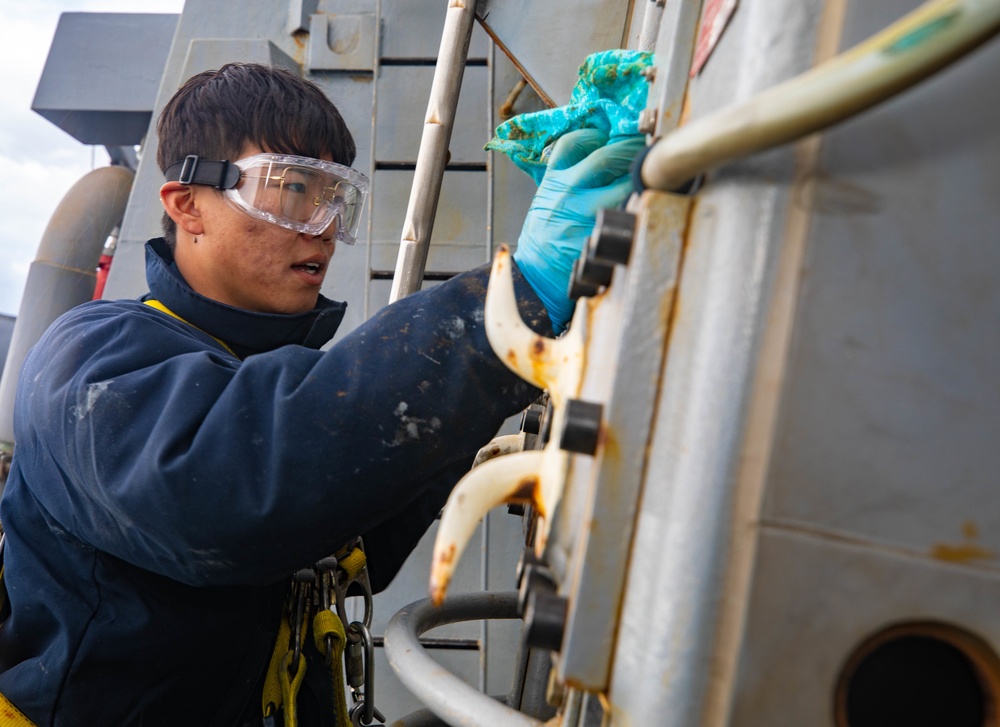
{"x": 584, "y": 174}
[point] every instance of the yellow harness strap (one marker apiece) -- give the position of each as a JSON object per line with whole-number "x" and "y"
{"x": 271, "y": 699}
{"x": 327, "y": 623}
{"x": 290, "y": 686}
{"x": 11, "y": 716}
{"x": 152, "y": 303}
{"x": 353, "y": 563}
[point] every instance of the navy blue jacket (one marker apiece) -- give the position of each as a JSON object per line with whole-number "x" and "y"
{"x": 162, "y": 490}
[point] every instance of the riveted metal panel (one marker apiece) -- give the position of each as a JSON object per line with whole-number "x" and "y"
{"x": 403, "y": 92}
{"x": 892, "y": 407}
{"x": 459, "y": 227}
{"x": 677, "y": 591}
{"x": 816, "y": 599}
{"x": 412, "y": 30}
{"x": 342, "y": 42}
{"x": 624, "y": 358}
{"x": 863, "y": 429}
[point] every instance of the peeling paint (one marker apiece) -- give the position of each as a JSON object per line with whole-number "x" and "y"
{"x": 922, "y": 33}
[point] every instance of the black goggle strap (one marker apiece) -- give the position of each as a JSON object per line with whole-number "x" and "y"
{"x": 194, "y": 170}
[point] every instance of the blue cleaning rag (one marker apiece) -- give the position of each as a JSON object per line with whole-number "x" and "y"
{"x": 609, "y": 96}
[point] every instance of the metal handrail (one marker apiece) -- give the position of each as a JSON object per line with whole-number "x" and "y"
{"x": 450, "y": 698}
{"x": 433, "y": 153}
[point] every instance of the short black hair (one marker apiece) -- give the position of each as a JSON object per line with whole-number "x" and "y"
{"x": 216, "y": 113}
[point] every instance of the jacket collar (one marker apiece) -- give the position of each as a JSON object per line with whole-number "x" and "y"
{"x": 245, "y": 331}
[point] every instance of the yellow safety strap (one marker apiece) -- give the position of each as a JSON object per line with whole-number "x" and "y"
{"x": 271, "y": 699}
{"x": 11, "y": 716}
{"x": 152, "y": 303}
{"x": 353, "y": 563}
{"x": 290, "y": 686}
{"x": 281, "y": 690}
{"x": 327, "y": 623}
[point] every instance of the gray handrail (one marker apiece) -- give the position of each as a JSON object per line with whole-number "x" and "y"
{"x": 450, "y": 698}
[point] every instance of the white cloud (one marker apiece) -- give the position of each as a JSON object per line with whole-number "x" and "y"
{"x": 40, "y": 161}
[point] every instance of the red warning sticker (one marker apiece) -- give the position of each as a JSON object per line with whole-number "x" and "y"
{"x": 714, "y": 16}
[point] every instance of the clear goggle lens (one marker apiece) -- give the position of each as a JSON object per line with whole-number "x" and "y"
{"x": 302, "y": 194}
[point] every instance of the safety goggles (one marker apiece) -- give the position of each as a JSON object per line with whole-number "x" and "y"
{"x": 297, "y": 193}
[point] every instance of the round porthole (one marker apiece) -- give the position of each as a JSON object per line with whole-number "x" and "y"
{"x": 919, "y": 675}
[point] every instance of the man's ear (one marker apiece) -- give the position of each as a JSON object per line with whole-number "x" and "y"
{"x": 179, "y": 202}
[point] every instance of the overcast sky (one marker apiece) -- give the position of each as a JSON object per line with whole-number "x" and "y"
{"x": 40, "y": 161}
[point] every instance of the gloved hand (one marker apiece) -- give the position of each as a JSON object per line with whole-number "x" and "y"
{"x": 584, "y": 174}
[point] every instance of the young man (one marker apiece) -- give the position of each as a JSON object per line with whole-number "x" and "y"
{"x": 180, "y": 456}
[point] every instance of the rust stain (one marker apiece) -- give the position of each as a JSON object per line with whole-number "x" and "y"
{"x": 441, "y": 574}
{"x": 528, "y": 492}
{"x": 448, "y": 556}
{"x": 437, "y": 595}
{"x": 673, "y": 300}
{"x": 301, "y": 39}
{"x": 965, "y": 552}
{"x": 685, "y": 110}
{"x": 512, "y": 357}
{"x": 611, "y": 448}
{"x": 538, "y": 355}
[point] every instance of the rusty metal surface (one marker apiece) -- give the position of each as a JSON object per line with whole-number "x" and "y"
{"x": 877, "y": 470}
{"x": 815, "y": 600}
{"x": 679, "y": 556}
{"x": 888, "y": 430}
{"x": 674, "y": 48}
{"x": 625, "y": 351}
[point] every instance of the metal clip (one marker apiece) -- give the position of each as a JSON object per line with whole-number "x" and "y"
{"x": 188, "y": 169}
{"x": 340, "y": 584}
{"x": 363, "y": 712}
